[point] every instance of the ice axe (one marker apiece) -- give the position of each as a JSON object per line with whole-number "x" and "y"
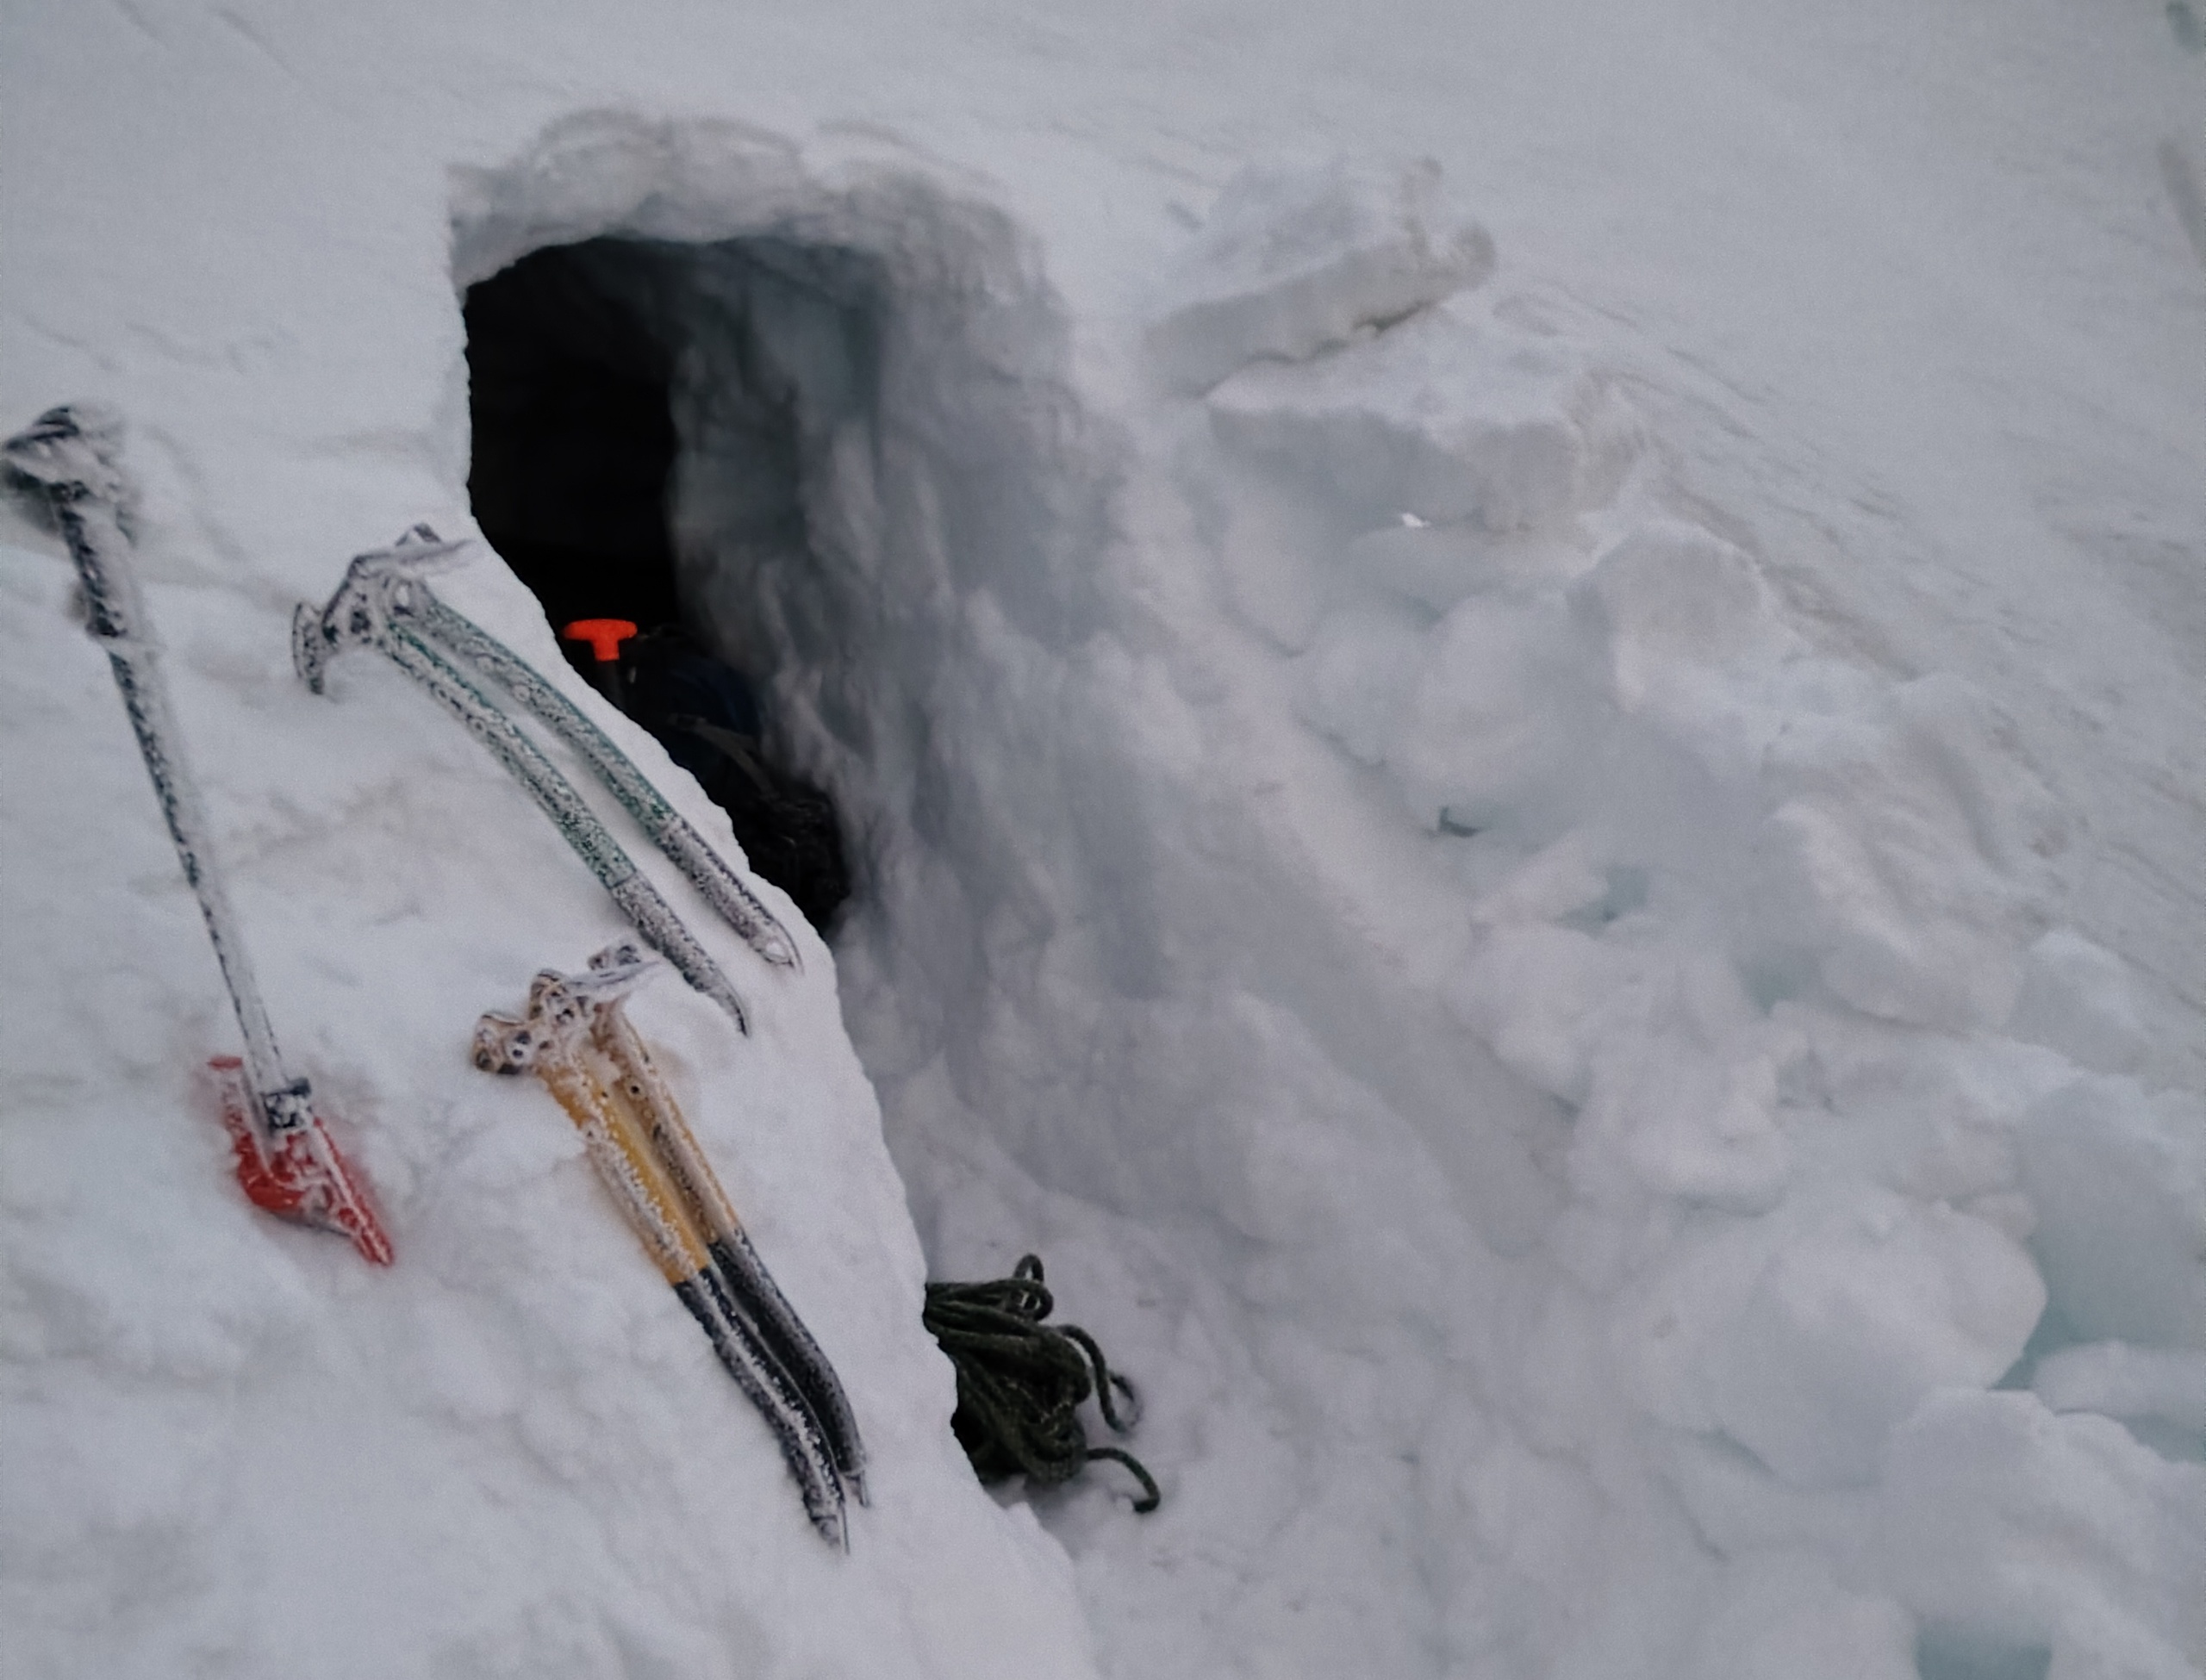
{"x": 575, "y": 1036}
{"x": 384, "y": 602}
{"x": 375, "y": 587}
{"x": 287, "y": 1162}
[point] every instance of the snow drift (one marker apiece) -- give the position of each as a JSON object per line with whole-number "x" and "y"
{"x": 1575, "y": 1093}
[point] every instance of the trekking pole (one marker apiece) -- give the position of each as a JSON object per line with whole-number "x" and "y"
{"x": 287, "y": 1162}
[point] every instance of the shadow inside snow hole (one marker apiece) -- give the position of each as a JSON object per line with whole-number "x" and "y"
{"x": 588, "y": 366}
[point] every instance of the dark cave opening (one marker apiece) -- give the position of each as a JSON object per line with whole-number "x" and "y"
{"x": 574, "y": 439}
{"x": 571, "y": 356}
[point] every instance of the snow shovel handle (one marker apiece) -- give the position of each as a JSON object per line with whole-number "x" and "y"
{"x": 604, "y": 637}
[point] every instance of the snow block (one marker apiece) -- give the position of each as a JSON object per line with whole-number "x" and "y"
{"x": 1293, "y": 259}
{"x": 1673, "y": 595}
{"x": 1784, "y": 1617}
{"x": 1437, "y": 565}
{"x": 2119, "y": 1180}
{"x": 1501, "y": 711}
{"x": 2006, "y": 1528}
{"x": 1675, "y": 1100}
{"x": 1537, "y": 995}
{"x": 2076, "y": 999}
{"x": 1671, "y": 1118}
{"x": 1579, "y": 872}
{"x": 1910, "y": 853}
{"x": 2116, "y": 1379}
{"x": 1448, "y": 416}
{"x": 1355, "y": 678}
{"x": 1856, "y": 1319}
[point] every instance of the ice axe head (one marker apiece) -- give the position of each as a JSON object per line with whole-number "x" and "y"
{"x": 379, "y": 585}
{"x": 621, "y": 966}
{"x": 70, "y": 451}
{"x": 556, "y": 1021}
{"x": 503, "y": 1045}
{"x": 560, "y": 1009}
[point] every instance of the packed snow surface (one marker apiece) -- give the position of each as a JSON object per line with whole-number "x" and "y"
{"x": 1517, "y": 692}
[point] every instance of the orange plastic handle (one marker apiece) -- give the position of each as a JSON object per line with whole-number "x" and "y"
{"x": 603, "y": 635}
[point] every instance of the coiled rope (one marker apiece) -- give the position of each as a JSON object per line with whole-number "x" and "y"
{"x": 1019, "y": 1382}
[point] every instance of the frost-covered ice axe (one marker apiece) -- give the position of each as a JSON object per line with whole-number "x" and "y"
{"x": 385, "y": 603}
{"x": 286, "y": 1160}
{"x": 575, "y": 1036}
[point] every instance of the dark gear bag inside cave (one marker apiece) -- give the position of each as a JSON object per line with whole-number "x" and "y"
{"x": 704, "y": 714}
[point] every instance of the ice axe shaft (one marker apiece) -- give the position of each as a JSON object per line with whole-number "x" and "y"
{"x": 287, "y": 1162}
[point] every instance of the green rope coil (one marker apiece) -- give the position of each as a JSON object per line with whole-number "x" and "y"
{"x": 1019, "y": 1382}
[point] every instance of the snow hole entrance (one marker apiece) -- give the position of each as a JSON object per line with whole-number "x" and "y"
{"x": 580, "y": 358}
{"x": 574, "y": 433}
{"x": 650, "y": 416}
{"x": 809, "y": 449}
{"x": 824, "y": 421}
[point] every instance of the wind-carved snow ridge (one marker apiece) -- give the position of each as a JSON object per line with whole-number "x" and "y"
{"x": 1577, "y": 1107}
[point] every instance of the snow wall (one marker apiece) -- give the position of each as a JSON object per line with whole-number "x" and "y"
{"x": 1578, "y": 1105}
